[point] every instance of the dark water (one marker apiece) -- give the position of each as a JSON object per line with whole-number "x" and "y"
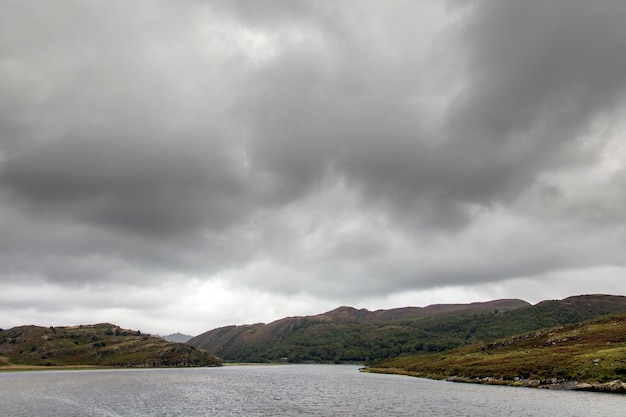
{"x": 280, "y": 390}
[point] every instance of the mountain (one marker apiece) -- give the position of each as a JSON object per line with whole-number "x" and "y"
{"x": 177, "y": 337}
{"x": 343, "y": 334}
{"x": 96, "y": 345}
{"x": 347, "y": 334}
{"x": 590, "y": 356}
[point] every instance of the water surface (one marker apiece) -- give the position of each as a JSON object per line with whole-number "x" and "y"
{"x": 280, "y": 390}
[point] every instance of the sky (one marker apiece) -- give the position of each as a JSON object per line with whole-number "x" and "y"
{"x": 176, "y": 166}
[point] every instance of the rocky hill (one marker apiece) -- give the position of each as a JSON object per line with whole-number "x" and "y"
{"x": 347, "y": 334}
{"x": 96, "y": 345}
{"x": 587, "y": 356}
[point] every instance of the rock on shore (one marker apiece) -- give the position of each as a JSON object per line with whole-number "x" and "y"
{"x": 615, "y": 386}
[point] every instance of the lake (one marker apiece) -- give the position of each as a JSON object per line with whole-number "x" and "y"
{"x": 280, "y": 390}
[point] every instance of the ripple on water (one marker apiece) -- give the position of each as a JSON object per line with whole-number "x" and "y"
{"x": 280, "y": 390}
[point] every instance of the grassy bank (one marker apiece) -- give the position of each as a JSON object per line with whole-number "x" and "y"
{"x": 589, "y": 355}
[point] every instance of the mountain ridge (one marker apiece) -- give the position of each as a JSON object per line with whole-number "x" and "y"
{"x": 348, "y": 334}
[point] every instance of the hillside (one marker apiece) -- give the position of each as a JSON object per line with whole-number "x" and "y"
{"x": 96, "y": 345}
{"x": 589, "y": 356}
{"x": 347, "y": 334}
{"x": 343, "y": 334}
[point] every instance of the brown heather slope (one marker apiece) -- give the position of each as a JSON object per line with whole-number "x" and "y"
{"x": 435, "y": 309}
{"x": 94, "y": 345}
{"x": 588, "y": 356}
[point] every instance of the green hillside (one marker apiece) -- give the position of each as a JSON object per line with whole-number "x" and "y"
{"x": 348, "y": 334}
{"x": 341, "y": 335}
{"x": 589, "y": 355}
{"x": 96, "y": 345}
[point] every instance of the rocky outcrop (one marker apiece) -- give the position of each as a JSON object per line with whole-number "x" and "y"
{"x": 615, "y": 386}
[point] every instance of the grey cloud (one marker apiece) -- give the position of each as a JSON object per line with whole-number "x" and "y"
{"x": 131, "y": 184}
{"x": 540, "y": 73}
{"x": 531, "y": 93}
{"x": 239, "y": 139}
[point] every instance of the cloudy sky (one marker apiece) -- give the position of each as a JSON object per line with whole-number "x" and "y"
{"x": 178, "y": 166}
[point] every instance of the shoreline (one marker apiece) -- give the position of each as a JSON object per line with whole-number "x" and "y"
{"x": 613, "y": 387}
{"x": 26, "y": 368}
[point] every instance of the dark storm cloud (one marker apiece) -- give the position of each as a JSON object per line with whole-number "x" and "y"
{"x": 337, "y": 149}
{"x": 134, "y": 185}
{"x": 539, "y": 73}
{"x": 534, "y": 79}
{"x": 537, "y": 82}
{"x": 339, "y": 102}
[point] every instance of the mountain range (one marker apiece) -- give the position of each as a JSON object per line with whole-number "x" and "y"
{"x": 347, "y": 334}
{"x": 578, "y": 338}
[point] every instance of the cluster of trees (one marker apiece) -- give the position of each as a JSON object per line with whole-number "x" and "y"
{"x": 344, "y": 343}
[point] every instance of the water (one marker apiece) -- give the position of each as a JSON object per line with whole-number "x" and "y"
{"x": 280, "y": 390}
